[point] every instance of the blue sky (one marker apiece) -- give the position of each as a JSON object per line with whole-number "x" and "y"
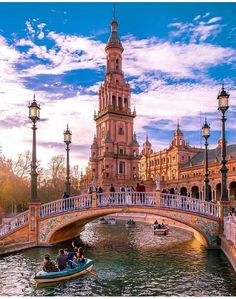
{"x": 176, "y": 57}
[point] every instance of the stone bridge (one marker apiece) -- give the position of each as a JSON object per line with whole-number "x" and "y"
{"x": 64, "y": 218}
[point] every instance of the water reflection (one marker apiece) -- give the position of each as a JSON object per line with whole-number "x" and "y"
{"x": 128, "y": 262}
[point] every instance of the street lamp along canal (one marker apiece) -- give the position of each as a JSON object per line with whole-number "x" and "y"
{"x": 223, "y": 105}
{"x": 206, "y": 135}
{"x": 67, "y": 140}
{"x": 34, "y": 115}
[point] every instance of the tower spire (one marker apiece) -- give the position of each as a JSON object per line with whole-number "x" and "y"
{"x": 114, "y": 11}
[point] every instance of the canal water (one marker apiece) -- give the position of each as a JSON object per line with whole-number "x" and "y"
{"x": 128, "y": 262}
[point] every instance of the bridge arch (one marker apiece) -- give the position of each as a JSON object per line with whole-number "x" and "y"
{"x": 61, "y": 219}
{"x": 70, "y": 224}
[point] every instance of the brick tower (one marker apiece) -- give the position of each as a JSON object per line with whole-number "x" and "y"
{"x": 115, "y": 150}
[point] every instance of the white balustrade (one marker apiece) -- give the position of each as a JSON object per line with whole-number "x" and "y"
{"x": 14, "y": 223}
{"x": 167, "y": 201}
{"x": 66, "y": 204}
{"x": 126, "y": 198}
{"x": 179, "y": 202}
{"x": 230, "y": 229}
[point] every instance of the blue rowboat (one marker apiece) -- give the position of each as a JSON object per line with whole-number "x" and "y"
{"x": 68, "y": 273}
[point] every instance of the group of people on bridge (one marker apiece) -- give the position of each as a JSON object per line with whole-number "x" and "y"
{"x": 139, "y": 188}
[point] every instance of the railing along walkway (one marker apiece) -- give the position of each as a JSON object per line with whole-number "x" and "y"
{"x": 14, "y": 223}
{"x": 145, "y": 199}
{"x": 66, "y": 204}
{"x": 171, "y": 201}
{"x": 230, "y": 228}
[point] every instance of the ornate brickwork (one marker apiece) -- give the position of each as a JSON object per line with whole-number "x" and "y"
{"x": 115, "y": 150}
{"x": 181, "y": 168}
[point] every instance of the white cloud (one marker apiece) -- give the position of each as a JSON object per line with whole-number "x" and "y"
{"x": 149, "y": 60}
{"x": 30, "y": 28}
{"x": 41, "y": 35}
{"x": 198, "y": 30}
{"x": 214, "y": 20}
{"x": 174, "y": 59}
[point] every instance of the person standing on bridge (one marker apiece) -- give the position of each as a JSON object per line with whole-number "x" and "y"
{"x": 112, "y": 191}
{"x": 142, "y": 189}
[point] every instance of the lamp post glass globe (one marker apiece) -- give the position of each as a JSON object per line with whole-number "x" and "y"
{"x": 206, "y": 130}
{"x": 34, "y": 111}
{"x": 223, "y": 100}
{"x": 67, "y": 136}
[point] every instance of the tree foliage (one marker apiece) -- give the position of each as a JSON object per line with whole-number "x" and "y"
{"x": 15, "y": 181}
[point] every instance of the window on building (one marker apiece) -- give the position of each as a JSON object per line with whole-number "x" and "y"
{"x": 107, "y": 174}
{"x": 134, "y": 168}
{"x": 182, "y": 157}
{"x": 126, "y": 103}
{"x": 233, "y": 168}
{"x": 121, "y": 151}
{"x": 121, "y": 167}
{"x": 121, "y": 131}
{"x": 107, "y": 166}
{"x": 107, "y": 148}
{"x": 117, "y": 82}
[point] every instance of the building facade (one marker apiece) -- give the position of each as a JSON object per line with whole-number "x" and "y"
{"x": 114, "y": 155}
{"x": 166, "y": 165}
{"x": 181, "y": 169}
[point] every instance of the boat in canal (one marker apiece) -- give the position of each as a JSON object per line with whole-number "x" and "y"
{"x": 161, "y": 231}
{"x": 111, "y": 220}
{"x": 130, "y": 223}
{"x": 102, "y": 221}
{"x": 78, "y": 270}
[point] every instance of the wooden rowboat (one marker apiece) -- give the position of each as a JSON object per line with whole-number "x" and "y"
{"x": 68, "y": 273}
{"x": 111, "y": 221}
{"x": 102, "y": 221}
{"x": 130, "y": 224}
{"x": 161, "y": 231}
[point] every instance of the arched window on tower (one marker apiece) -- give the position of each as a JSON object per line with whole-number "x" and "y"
{"x": 120, "y": 103}
{"x": 126, "y": 103}
{"x": 117, "y": 64}
{"x": 113, "y": 102}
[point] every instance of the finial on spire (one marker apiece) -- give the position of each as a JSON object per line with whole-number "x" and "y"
{"x": 114, "y": 11}
{"x": 223, "y": 86}
{"x": 67, "y": 127}
{"x": 178, "y": 124}
{"x": 34, "y": 98}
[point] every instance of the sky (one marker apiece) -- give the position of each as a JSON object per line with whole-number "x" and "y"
{"x": 176, "y": 56}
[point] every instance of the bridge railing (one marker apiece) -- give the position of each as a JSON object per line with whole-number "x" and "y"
{"x": 126, "y": 198}
{"x": 230, "y": 228}
{"x": 171, "y": 201}
{"x": 14, "y": 223}
{"x": 66, "y": 204}
{"x": 185, "y": 203}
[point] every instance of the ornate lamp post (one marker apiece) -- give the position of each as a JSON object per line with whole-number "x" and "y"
{"x": 206, "y": 135}
{"x": 67, "y": 140}
{"x": 34, "y": 115}
{"x": 223, "y": 105}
